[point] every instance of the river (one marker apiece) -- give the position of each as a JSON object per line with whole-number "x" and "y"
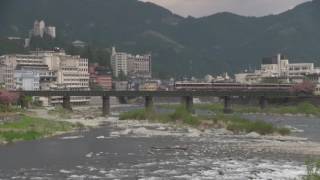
{"x": 142, "y": 150}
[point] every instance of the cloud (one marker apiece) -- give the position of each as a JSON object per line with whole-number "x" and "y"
{"x": 199, "y": 8}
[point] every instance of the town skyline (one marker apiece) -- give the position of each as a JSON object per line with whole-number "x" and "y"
{"x": 130, "y": 89}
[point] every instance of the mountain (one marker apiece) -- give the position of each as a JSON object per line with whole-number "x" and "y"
{"x": 180, "y": 46}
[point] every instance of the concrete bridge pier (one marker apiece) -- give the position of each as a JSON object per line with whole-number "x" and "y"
{"x": 23, "y": 102}
{"x": 66, "y": 104}
{"x": 187, "y": 102}
{"x": 122, "y": 100}
{"x": 148, "y": 104}
{"x": 263, "y": 102}
{"x": 227, "y": 105}
{"x": 23, "y": 105}
{"x": 105, "y": 105}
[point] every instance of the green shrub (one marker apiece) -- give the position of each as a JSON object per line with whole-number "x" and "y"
{"x": 283, "y": 131}
{"x": 181, "y": 113}
{"x": 301, "y": 108}
{"x": 242, "y": 125}
{"x": 307, "y": 108}
{"x": 260, "y": 127}
{"x": 232, "y": 123}
{"x": 217, "y": 107}
{"x": 79, "y": 125}
{"x": 169, "y": 106}
{"x": 313, "y": 170}
{"x": 6, "y": 108}
{"x": 134, "y": 115}
{"x": 30, "y": 128}
{"x": 247, "y": 109}
{"x": 237, "y": 124}
{"x": 61, "y": 112}
{"x": 10, "y": 136}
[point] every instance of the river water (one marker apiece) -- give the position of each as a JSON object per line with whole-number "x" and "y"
{"x": 153, "y": 151}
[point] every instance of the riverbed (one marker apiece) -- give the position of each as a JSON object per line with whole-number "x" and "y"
{"x": 143, "y": 150}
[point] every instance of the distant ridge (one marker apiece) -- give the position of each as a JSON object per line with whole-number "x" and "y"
{"x": 180, "y": 46}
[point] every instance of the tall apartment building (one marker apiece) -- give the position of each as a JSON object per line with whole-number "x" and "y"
{"x": 39, "y": 29}
{"x": 140, "y": 66}
{"x": 10, "y": 63}
{"x": 130, "y": 65}
{"x": 7, "y": 74}
{"x": 51, "y": 31}
{"x": 119, "y": 62}
{"x": 2, "y": 69}
{"x": 73, "y": 73}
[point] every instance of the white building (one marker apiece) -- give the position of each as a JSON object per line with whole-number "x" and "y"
{"x": 248, "y": 78}
{"x": 9, "y": 64}
{"x": 301, "y": 69}
{"x": 27, "y": 42}
{"x": 27, "y": 80}
{"x": 67, "y": 73}
{"x": 121, "y": 85}
{"x": 79, "y": 44}
{"x": 51, "y": 31}
{"x": 39, "y": 29}
{"x": 208, "y": 78}
{"x": 140, "y": 65}
{"x": 73, "y": 73}
{"x": 56, "y": 71}
{"x": 277, "y": 67}
{"x": 7, "y": 80}
{"x": 21, "y": 71}
{"x": 119, "y": 62}
{"x": 132, "y": 65}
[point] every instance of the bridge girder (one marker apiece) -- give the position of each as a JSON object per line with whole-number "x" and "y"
{"x": 269, "y": 94}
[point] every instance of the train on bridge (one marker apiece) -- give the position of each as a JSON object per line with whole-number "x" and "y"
{"x": 191, "y": 86}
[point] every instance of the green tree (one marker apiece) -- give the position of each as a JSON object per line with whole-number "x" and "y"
{"x": 122, "y": 76}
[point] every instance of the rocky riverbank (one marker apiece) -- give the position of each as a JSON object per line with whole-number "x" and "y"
{"x": 89, "y": 117}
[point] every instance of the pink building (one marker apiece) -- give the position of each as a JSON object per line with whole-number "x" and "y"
{"x": 104, "y": 81}
{"x": 100, "y": 77}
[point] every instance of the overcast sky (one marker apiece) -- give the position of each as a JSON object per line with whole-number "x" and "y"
{"x": 199, "y": 8}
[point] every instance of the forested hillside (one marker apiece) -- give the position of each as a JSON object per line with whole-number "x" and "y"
{"x": 180, "y": 46}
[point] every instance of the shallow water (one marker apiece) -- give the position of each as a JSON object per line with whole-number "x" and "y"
{"x": 136, "y": 151}
{"x": 98, "y": 155}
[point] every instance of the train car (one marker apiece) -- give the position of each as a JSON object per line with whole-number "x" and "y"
{"x": 191, "y": 86}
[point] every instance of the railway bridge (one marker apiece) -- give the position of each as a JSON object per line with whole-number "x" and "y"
{"x": 186, "y": 96}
